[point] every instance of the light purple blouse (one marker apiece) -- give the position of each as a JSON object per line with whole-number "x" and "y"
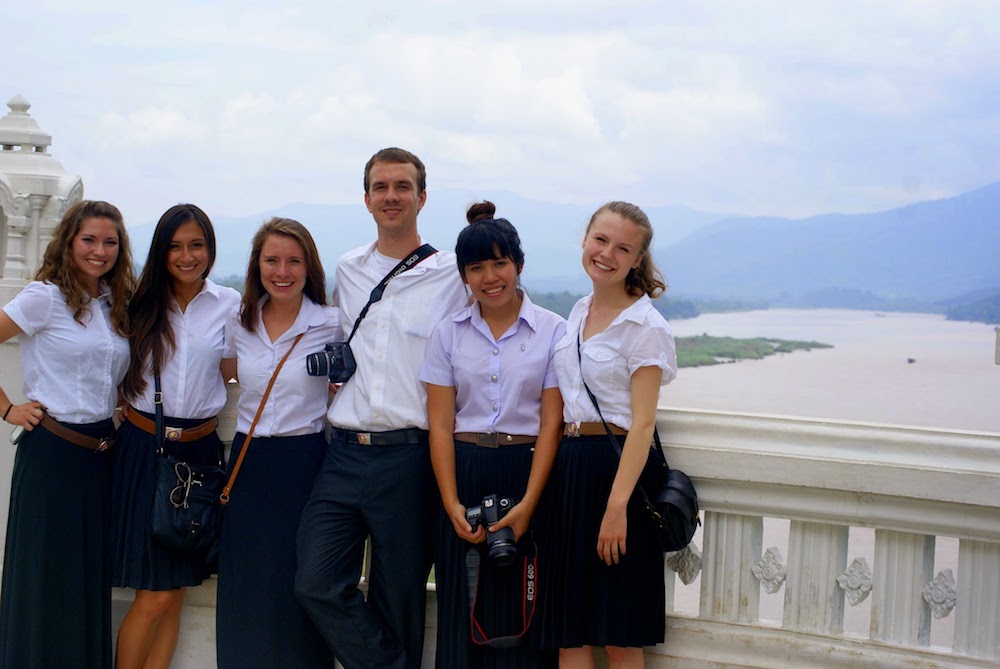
{"x": 498, "y": 384}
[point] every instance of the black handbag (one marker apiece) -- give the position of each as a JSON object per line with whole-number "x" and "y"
{"x": 186, "y": 511}
{"x": 674, "y": 507}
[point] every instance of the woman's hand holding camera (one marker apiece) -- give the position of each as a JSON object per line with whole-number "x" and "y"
{"x": 27, "y": 415}
{"x": 517, "y": 519}
{"x": 462, "y": 527}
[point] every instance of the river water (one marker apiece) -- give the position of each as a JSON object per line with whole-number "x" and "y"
{"x": 953, "y": 381}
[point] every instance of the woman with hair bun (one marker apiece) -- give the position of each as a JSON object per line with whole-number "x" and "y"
{"x": 495, "y": 416}
{"x": 178, "y": 318}
{"x": 600, "y": 547}
{"x": 72, "y": 326}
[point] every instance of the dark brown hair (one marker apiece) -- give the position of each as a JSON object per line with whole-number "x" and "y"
{"x": 397, "y": 155}
{"x": 645, "y": 279}
{"x": 487, "y": 238}
{"x": 315, "y": 288}
{"x": 58, "y": 267}
{"x": 152, "y": 337}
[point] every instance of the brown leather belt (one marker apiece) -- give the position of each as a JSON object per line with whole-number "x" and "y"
{"x": 74, "y": 437}
{"x": 181, "y": 434}
{"x": 591, "y": 430}
{"x": 495, "y": 439}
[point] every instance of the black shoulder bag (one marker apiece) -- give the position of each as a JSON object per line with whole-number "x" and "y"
{"x": 674, "y": 508}
{"x": 337, "y": 360}
{"x": 185, "y": 510}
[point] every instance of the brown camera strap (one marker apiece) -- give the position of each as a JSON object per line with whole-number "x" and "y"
{"x": 224, "y": 497}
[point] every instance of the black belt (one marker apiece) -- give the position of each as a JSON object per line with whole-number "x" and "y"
{"x": 410, "y": 436}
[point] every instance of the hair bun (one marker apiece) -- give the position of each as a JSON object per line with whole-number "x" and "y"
{"x": 480, "y": 211}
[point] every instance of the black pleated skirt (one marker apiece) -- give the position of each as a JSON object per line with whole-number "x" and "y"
{"x": 500, "y": 600}
{"x": 259, "y": 624}
{"x": 55, "y": 611}
{"x": 139, "y": 560}
{"x": 586, "y": 602}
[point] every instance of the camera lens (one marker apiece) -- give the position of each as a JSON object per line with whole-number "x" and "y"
{"x": 502, "y": 548}
{"x": 318, "y": 364}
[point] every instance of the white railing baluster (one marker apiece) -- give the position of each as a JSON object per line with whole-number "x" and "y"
{"x": 977, "y": 607}
{"x": 729, "y": 590}
{"x": 904, "y": 562}
{"x": 817, "y": 553}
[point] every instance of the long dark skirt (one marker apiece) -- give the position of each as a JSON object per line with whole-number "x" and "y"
{"x": 587, "y": 602}
{"x": 55, "y": 609}
{"x": 139, "y": 560}
{"x": 258, "y": 622}
{"x": 500, "y": 602}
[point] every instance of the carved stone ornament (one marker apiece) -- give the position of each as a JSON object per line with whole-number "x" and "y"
{"x": 940, "y": 593}
{"x": 856, "y": 581}
{"x": 687, "y": 563}
{"x": 770, "y": 570}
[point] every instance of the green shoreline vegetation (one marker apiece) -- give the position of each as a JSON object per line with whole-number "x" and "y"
{"x": 703, "y": 350}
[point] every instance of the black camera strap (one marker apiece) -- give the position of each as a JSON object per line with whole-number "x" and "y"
{"x": 412, "y": 260}
{"x": 529, "y": 592}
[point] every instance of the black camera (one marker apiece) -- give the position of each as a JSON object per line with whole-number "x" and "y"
{"x": 502, "y": 548}
{"x": 335, "y": 361}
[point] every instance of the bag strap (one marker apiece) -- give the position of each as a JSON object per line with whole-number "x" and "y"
{"x": 158, "y": 403}
{"x": 420, "y": 254}
{"x": 607, "y": 428}
{"x": 224, "y": 497}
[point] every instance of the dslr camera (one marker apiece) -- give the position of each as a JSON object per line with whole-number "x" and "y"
{"x": 502, "y": 548}
{"x": 335, "y": 361}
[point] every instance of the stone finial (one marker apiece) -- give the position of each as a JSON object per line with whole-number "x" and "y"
{"x": 19, "y": 105}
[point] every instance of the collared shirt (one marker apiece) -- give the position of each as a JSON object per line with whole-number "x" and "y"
{"x": 498, "y": 383}
{"x": 298, "y": 402}
{"x": 191, "y": 381}
{"x": 71, "y": 369}
{"x": 638, "y": 337}
{"x": 389, "y": 347}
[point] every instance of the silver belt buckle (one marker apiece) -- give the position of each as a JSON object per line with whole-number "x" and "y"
{"x": 364, "y": 438}
{"x": 573, "y": 429}
{"x": 173, "y": 433}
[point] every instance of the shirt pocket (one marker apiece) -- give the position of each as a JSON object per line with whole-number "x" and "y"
{"x": 604, "y": 368}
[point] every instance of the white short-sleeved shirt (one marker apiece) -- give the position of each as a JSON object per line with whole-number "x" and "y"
{"x": 297, "y": 404}
{"x": 389, "y": 347}
{"x": 72, "y": 369}
{"x": 191, "y": 381}
{"x": 498, "y": 384}
{"x": 638, "y": 337}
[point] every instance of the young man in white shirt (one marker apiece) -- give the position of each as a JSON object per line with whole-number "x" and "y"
{"x": 376, "y": 479}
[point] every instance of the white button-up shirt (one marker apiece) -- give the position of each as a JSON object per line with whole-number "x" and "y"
{"x": 638, "y": 337}
{"x": 191, "y": 381}
{"x": 71, "y": 369}
{"x": 297, "y": 404}
{"x": 385, "y": 393}
{"x": 498, "y": 383}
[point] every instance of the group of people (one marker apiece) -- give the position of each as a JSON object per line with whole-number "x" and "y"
{"x": 541, "y": 549}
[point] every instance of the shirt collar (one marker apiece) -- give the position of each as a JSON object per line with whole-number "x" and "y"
{"x": 430, "y": 261}
{"x": 636, "y": 312}
{"x": 526, "y": 314}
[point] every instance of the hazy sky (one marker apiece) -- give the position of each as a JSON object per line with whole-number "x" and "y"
{"x": 784, "y": 107}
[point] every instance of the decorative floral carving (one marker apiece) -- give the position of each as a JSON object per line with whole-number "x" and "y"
{"x": 940, "y": 593}
{"x": 856, "y": 581}
{"x": 770, "y": 570}
{"x": 687, "y": 563}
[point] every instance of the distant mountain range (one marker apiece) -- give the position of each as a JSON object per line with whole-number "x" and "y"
{"x": 928, "y": 251}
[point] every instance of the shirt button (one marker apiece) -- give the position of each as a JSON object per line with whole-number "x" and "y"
{"x": 493, "y": 378}
{"x": 495, "y": 407}
{"x": 496, "y": 351}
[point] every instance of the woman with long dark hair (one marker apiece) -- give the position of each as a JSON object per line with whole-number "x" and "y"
{"x": 605, "y": 565}
{"x": 258, "y": 621}
{"x": 495, "y": 417}
{"x": 72, "y": 327}
{"x": 178, "y": 318}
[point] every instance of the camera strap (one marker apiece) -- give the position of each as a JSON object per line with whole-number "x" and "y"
{"x": 412, "y": 260}
{"x": 529, "y": 577}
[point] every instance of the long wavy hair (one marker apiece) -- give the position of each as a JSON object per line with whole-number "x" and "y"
{"x": 152, "y": 336}
{"x": 315, "y": 288}
{"x": 645, "y": 279}
{"x": 59, "y": 268}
